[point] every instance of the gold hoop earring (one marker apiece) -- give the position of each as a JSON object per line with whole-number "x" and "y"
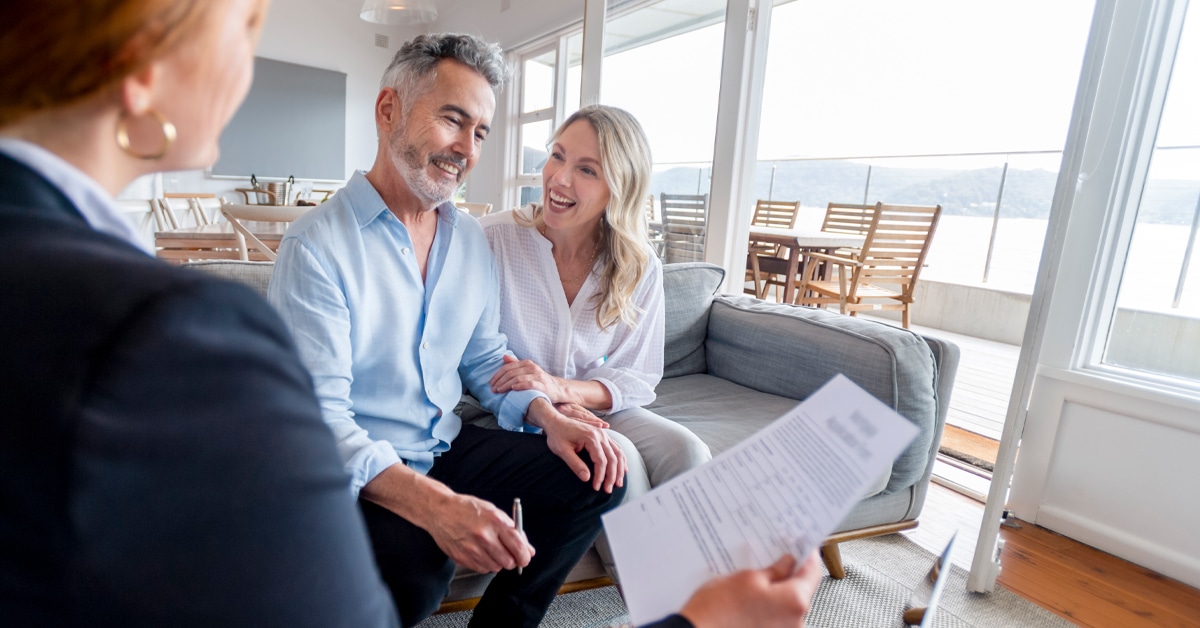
{"x": 168, "y": 131}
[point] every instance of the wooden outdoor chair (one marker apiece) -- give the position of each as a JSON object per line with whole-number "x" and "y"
{"x": 237, "y": 213}
{"x": 654, "y": 231}
{"x": 886, "y": 269}
{"x": 848, "y": 218}
{"x": 685, "y": 220}
{"x": 769, "y": 213}
{"x": 478, "y": 210}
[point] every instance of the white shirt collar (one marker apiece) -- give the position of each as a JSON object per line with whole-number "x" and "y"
{"x": 92, "y": 201}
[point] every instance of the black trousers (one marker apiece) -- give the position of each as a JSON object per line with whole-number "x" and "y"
{"x": 562, "y": 518}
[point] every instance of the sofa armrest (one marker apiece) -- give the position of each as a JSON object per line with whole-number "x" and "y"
{"x": 791, "y": 351}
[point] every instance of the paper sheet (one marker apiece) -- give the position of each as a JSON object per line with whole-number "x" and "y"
{"x": 781, "y": 491}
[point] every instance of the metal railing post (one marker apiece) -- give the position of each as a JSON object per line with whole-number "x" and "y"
{"x": 867, "y": 188}
{"x": 987, "y": 263}
{"x": 1187, "y": 255}
{"x": 771, "y": 187}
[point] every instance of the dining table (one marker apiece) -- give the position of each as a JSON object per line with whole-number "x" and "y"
{"x": 798, "y": 242}
{"x": 214, "y": 241}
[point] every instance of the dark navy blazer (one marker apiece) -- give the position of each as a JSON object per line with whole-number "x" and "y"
{"x": 162, "y": 455}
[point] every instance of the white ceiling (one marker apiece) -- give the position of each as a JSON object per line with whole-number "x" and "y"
{"x": 443, "y": 6}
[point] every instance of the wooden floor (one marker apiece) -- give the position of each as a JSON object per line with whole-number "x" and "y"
{"x": 1080, "y": 583}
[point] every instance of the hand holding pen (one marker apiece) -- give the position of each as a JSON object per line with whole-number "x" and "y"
{"x": 518, "y": 523}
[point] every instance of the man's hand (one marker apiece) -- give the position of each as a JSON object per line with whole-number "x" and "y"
{"x": 566, "y": 437}
{"x": 479, "y": 536}
{"x": 779, "y": 596}
{"x": 471, "y": 531}
{"x": 525, "y": 375}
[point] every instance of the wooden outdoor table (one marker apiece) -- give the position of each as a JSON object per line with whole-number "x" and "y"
{"x": 797, "y": 242}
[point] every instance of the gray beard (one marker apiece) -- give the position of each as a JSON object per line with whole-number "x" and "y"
{"x": 407, "y": 160}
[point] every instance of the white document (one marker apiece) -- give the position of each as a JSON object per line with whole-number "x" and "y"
{"x": 781, "y": 491}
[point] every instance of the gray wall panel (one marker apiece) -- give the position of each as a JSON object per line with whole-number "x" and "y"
{"x": 292, "y": 123}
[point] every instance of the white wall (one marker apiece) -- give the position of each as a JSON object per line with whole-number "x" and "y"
{"x": 522, "y": 21}
{"x": 1113, "y": 466}
{"x": 326, "y": 34}
{"x": 510, "y": 22}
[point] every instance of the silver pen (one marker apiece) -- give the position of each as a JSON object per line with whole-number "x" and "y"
{"x": 518, "y": 522}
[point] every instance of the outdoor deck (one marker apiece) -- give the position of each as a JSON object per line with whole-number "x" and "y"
{"x": 982, "y": 386}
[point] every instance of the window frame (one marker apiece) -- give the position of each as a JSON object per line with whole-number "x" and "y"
{"x": 1117, "y": 224}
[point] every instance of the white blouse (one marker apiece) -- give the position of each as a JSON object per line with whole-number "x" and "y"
{"x": 565, "y": 340}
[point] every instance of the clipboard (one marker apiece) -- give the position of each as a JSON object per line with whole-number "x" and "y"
{"x": 922, "y": 606}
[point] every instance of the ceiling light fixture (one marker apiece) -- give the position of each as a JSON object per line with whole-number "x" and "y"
{"x": 399, "y": 12}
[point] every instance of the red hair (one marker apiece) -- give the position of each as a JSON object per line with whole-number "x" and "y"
{"x": 59, "y": 52}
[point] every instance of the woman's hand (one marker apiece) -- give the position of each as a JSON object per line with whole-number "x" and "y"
{"x": 525, "y": 375}
{"x": 581, "y": 414}
{"x": 566, "y": 437}
{"x": 778, "y": 596}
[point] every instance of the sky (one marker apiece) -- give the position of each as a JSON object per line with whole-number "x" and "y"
{"x": 873, "y": 77}
{"x": 854, "y": 78}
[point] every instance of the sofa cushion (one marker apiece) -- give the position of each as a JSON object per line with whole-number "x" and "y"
{"x": 723, "y": 413}
{"x": 791, "y": 351}
{"x": 688, "y": 290}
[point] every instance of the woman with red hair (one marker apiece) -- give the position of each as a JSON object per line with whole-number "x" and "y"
{"x": 162, "y": 456}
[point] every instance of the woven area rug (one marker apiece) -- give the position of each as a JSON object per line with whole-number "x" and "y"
{"x": 880, "y": 573}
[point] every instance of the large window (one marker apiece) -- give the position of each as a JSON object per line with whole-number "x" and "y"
{"x": 662, "y": 63}
{"x": 1156, "y": 325}
{"x": 548, "y": 81}
{"x": 962, "y": 104}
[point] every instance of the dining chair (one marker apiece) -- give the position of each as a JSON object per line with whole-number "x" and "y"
{"x": 887, "y": 267}
{"x": 684, "y": 219}
{"x": 176, "y": 209}
{"x": 257, "y": 196}
{"x": 325, "y": 194}
{"x": 141, "y": 212}
{"x": 207, "y": 208}
{"x": 768, "y": 213}
{"x": 477, "y": 210}
{"x": 236, "y": 213}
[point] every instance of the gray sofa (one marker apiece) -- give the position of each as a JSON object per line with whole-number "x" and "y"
{"x": 734, "y": 364}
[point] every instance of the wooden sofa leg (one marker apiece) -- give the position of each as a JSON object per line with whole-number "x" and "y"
{"x": 832, "y": 557}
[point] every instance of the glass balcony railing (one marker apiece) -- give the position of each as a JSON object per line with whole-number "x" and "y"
{"x": 995, "y": 210}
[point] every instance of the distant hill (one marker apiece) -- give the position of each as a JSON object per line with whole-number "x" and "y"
{"x": 1027, "y": 193}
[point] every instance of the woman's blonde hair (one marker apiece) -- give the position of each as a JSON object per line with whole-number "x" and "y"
{"x": 83, "y": 48}
{"x": 625, "y": 157}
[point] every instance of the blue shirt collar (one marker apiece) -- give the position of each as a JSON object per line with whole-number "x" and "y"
{"x": 368, "y": 205}
{"x": 93, "y": 201}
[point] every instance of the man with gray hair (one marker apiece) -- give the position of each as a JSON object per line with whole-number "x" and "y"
{"x": 391, "y": 293}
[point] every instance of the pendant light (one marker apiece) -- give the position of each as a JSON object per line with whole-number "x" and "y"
{"x": 399, "y": 12}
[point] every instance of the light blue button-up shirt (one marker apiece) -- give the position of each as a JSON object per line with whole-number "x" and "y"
{"x": 389, "y": 354}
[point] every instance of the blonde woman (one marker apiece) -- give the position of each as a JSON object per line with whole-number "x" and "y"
{"x": 581, "y": 297}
